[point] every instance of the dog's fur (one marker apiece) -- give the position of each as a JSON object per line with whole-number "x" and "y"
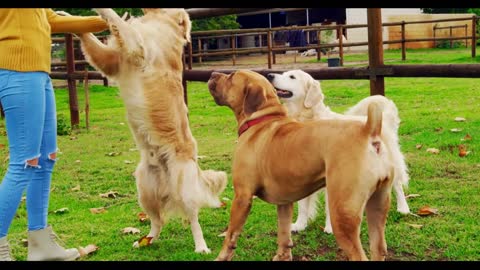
{"x": 144, "y": 56}
{"x": 282, "y": 160}
{"x": 304, "y": 99}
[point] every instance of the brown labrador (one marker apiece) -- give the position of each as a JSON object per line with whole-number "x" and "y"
{"x": 281, "y": 161}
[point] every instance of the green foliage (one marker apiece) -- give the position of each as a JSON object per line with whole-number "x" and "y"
{"x": 444, "y": 44}
{"x": 63, "y": 127}
{"x": 215, "y": 23}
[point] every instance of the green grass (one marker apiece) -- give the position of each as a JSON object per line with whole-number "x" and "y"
{"x": 413, "y": 56}
{"x": 427, "y": 107}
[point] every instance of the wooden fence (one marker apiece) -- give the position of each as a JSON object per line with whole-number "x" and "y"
{"x": 375, "y": 72}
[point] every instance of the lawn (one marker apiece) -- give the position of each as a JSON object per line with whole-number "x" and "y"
{"x": 102, "y": 159}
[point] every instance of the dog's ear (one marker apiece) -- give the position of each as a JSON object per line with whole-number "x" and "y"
{"x": 314, "y": 93}
{"x": 254, "y": 98}
{"x": 181, "y": 17}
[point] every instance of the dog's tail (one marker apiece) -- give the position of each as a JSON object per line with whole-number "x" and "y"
{"x": 373, "y": 127}
{"x": 214, "y": 183}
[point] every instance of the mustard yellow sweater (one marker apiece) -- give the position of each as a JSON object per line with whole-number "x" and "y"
{"x": 25, "y": 35}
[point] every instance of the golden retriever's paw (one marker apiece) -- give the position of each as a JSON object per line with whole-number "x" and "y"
{"x": 403, "y": 209}
{"x": 204, "y": 250}
{"x": 328, "y": 229}
{"x": 287, "y": 256}
{"x": 106, "y": 13}
{"x": 298, "y": 227}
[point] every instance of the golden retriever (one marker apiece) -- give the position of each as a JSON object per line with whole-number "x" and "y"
{"x": 304, "y": 99}
{"x": 281, "y": 160}
{"x": 144, "y": 56}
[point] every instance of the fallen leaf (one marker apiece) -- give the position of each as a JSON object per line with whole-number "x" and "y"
{"x": 2, "y": 145}
{"x": 24, "y": 198}
{"x": 418, "y": 146}
{"x": 416, "y": 226}
{"x": 77, "y": 161}
{"x": 142, "y": 217}
{"x": 200, "y": 157}
{"x": 24, "y": 242}
{"x": 110, "y": 194}
{"x": 455, "y": 130}
{"x": 460, "y": 119}
{"x": 61, "y": 210}
{"x": 84, "y": 251}
{"x": 412, "y": 196}
{"x": 467, "y": 138}
{"x": 73, "y": 138}
{"x": 223, "y": 204}
{"x": 131, "y": 230}
{"x": 112, "y": 154}
{"x": 77, "y": 188}
{"x": 127, "y": 161}
{"x": 462, "y": 150}
{"x": 132, "y": 149}
{"x": 438, "y": 129}
{"x": 427, "y": 211}
{"x": 143, "y": 242}
{"x": 225, "y": 199}
{"x": 99, "y": 210}
{"x": 433, "y": 150}
{"x": 121, "y": 123}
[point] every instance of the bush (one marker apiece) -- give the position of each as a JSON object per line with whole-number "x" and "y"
{"x": 445, "y": 44}
{"x": 63, "y": 128}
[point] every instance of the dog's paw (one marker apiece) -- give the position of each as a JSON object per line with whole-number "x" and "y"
{"x": 204, "y": 250}
{"x": 106, "y": 13}
{"x": 298, "y": 227}
{"x": 328, "y": 229}
{"x": 404, "y": 210}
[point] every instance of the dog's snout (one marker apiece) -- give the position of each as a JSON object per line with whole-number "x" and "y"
{"x": 270, "y": 76}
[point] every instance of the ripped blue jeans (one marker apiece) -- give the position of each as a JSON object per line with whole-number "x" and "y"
{"x": 28, "y": 101}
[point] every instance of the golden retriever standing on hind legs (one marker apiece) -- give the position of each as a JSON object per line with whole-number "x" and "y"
{"x": 144, "y": 56}
{"x": 303, "y": 97}
{"x": 282, "y": 160}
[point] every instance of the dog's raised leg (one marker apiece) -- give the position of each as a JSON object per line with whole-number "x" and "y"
{"x": 284, "y": 240}
{"x": 200, "y": 244}
{"x": 129, "y": 40}
{"x": 241, "y": 205}
{"x": 102, "y": 57}
{"x": 377, "y": 209}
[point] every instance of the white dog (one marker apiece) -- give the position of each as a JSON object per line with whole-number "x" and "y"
{"x": 303, "y": 97}
{"x": 144, "y": 55}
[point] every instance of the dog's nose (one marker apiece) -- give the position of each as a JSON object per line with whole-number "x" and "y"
{"x": 270, "y": 76}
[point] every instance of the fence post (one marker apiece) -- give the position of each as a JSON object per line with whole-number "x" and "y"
{"x": 72, "y": 86}
{"x": 474, "y": 35}
{"x": 190, "y": 56}
{"x": 375, "y": 50}
{"x": 269, "y": 48}
{"x": 404, "y": 49}
{"x": 340, "y": 45}
{"x": 451, "y": 35}
{"x": 199, "y": 50}
{"x": 319, "y": 51}
{"x": 466, "y": 33}
{"x": 233, "y": 45}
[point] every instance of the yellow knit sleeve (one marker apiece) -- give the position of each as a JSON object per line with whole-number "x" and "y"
{"x": 75, "y": 24}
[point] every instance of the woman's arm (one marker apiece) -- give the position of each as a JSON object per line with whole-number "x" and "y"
{"x": 75, "y": 24}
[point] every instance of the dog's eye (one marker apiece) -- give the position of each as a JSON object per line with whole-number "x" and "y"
{"x": 292, "y": 77}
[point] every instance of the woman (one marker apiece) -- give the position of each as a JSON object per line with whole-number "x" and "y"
{"x": 28, "y": 101}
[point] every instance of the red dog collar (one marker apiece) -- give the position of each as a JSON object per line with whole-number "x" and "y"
{"x": 253, "y": 122}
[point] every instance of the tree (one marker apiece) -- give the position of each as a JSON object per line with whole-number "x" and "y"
{"x": 214, "y": 23}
